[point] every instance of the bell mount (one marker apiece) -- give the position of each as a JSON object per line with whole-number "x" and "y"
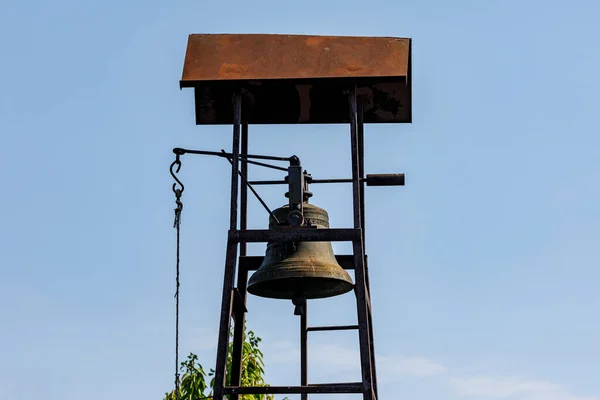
{"x": 352, "y": 80}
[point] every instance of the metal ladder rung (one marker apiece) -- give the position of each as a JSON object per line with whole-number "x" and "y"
{"x": 353, "y": 387}
{"x": 331, "y": 328}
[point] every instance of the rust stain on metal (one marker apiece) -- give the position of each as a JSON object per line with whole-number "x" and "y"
{"x": 232, "y": 70}
{"x": 237, "y": 56}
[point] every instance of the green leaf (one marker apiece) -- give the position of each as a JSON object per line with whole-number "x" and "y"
{"x": 193, "y": 385}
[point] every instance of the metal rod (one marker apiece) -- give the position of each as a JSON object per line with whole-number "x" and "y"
{"x": 181, "y": 151}
{"x": 370, "y": 180}
{"x": 355, "y": 387}
{"x": 268, "y": 182}
{"x": 359, "y": 259}
{"x": 267, "y": 165}
{"x": 230, "y": 259}
{"x": 312, "y": 181}
{"x": 331, "y": 328}
{"x": 304, "y": 350}
{"x": 256, "y": 194}
{"x": 242, "y": 280}
{"x": 331, "y": 181}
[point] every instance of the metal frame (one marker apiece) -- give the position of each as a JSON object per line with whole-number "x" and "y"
{"x": 234, "y": 298}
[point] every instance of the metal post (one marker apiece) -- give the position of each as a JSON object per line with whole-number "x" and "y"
{"x": 230, "y": 259}
{"x": 242, "y": 281}
{"x": 371, "y": 336}
{"x": 244, "y": 193}
{"x": 359, "y": 258}
{"x": 235, "y": 158}
{"x": 361, "y": 163}
{"x": 304, "y": 350}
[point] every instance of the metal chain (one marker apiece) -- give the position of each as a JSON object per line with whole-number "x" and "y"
{"x": 178, "y": 209}
{"x": 176, "y": 224}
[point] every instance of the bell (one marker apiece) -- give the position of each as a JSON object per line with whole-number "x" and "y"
{"x": 300, "y": 270}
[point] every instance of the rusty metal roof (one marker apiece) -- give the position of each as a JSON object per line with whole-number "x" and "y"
{"x": 297, "y": 78}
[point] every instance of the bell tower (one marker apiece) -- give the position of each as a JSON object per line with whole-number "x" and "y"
{"x": 242, "y": 80}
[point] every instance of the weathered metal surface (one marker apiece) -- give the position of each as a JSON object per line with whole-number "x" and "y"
{"x": 258, "y": 57}
{"x": 293, "y": 269}
{"x": 289, "y": 79}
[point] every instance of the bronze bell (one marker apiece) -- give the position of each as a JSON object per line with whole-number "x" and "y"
{"x": 300, "y": 270}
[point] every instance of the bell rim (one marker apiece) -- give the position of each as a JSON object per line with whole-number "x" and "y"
{"x": 259, "y": 289}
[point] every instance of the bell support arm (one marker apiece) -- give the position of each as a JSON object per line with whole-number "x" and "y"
{"x": 370, "y": 180}
{"x": 296, "y": 179}
{"x": 296, "y": 188}
{"x": 181, "y": 151}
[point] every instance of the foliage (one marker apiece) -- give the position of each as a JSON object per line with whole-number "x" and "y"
{"x": 193, "y": 384}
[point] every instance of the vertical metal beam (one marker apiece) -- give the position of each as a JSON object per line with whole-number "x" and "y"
{"x": 238, "y": 334}
{"x": 244, "y": 192}
{"x": 361, "y": 172}
{"x": 224, "y": 325}
{"x": 359, "y": 258}
{"x": 304, "y": 350}
{"x": 371, "y": 336}
{"x": 361, "y": 162}
{"x": 235, "y": 158}
{"x": 242, "y": 281}
{"x": 230, "y": 259}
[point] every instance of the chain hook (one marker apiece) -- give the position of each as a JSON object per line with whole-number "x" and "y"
{"x": 176, "y": 163}
{"x": 175, "y": 167}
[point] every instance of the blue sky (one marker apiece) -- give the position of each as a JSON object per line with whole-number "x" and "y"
{"x": 484, "y": 268}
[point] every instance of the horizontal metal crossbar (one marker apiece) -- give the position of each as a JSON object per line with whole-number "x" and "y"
{"x": 295, "y": 234}
{"x": 252, "y": 263}
{"x": 355, "y": 387}
{"x": 370, "y": 180}
{"x": 331, "y": 328}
